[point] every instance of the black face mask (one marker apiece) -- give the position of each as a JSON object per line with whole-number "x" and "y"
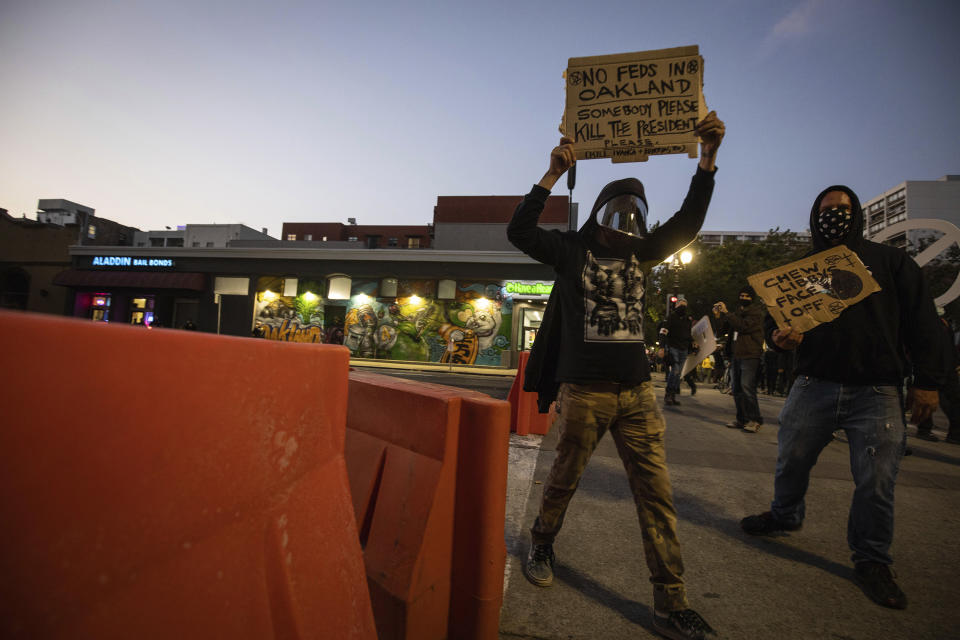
{"x": 835, "y": 224}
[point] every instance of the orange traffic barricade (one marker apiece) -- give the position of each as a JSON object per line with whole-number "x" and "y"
{"x": 173, "y": 484}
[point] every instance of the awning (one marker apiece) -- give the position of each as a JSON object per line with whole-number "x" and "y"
{"x": 132, "y": 279}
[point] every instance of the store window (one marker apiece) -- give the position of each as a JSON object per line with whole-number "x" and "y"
{"x": 291, "y": 237}
{"x": 413, "y": 243}
{"x": 141, "y": 310}
{"x": 100, "y": 307}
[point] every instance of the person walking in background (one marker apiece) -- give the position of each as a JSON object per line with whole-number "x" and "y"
{"x": 746, "y": 323}
{"x": 849, "y": 376}
{"x": 590, "y": 352}
{"x": 771, "y": 371}
{"x": 678, "y": 325}
{"x": 949, "y": 393}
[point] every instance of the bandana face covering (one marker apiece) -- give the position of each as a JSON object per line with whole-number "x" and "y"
{"x": 835, "y": 223}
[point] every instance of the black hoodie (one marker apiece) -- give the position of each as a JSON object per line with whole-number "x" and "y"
{"x": 592, "y": 329}
{"x": 876, "y": 340}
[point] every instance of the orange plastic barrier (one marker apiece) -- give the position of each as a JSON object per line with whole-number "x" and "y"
{"x": 172, "y": 484}
{"x": 427, "y": 467}
{"x": 479, "y": 550}
{"x": 525, "y": 417}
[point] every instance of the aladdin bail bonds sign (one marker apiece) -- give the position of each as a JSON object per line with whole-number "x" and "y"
{"x": 815, "y": 290}
{"x": 629, "y": 106}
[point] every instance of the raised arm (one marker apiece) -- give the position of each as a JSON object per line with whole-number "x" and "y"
{"x": 682, "y": 228}
{"x": 523, "y": 232}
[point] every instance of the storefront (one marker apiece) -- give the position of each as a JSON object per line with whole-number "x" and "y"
{"x": 135, "y": 290}
{"x": 455, "y": 308}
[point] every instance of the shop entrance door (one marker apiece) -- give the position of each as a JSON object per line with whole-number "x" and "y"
{"x": 236, "y": 315}
{"x": 529, "y": 328}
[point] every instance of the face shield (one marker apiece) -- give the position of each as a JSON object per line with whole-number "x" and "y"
{"x": 625, "y": 213}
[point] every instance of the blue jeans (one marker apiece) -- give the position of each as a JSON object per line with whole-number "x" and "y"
{"x": 872, "y": 417}
{"x": 677, "y": 358}
{"x": 744, "y": 383}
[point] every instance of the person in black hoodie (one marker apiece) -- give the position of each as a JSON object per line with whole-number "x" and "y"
{"x": 849, "y": 377}
{"x": 746, "y": 323}
{"x": 678, "y": 325}
{"x": 590, "y": 349}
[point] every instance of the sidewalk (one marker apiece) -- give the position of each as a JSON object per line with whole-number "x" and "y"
{"x": 797, "y": 586}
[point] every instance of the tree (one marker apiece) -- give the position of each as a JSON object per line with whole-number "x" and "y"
{"x": 717, "y": 273}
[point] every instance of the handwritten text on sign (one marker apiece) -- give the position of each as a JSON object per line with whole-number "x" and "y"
{"x": 629, "y": 106}
{"x": 815, "y": 290}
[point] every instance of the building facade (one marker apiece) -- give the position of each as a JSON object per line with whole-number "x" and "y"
{"x": 359, "y": 235}
{"x": 200, "y": 235}
{"x": 911, "y": 200}
{"x": 717, "y": 238}
{"x": 34, "y": 252}
{"x": 470, "y": 308}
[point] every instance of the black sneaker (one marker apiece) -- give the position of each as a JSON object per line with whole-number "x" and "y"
{"x": 928, "y": 436}
{"x": 877, "y": 583}
{"x": 766, "y": 524}
{"x": 539, "y": 565}
{"x": 681, "y": 625}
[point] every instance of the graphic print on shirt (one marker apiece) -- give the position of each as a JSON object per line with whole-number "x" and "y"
{"x": 613, "y": 300}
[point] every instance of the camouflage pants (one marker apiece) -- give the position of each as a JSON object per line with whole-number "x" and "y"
{"x": 631, "y": 414}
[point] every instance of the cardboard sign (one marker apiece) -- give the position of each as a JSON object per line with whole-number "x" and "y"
{"x": 629, "y": 106}
{"x": 702, "y": 334}
{"x": 815, "y": 290}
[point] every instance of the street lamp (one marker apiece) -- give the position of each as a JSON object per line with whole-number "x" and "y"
{"x": 677, "y": 262}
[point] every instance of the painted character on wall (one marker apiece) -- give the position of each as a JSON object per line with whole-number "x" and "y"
{"x": 360, "y": 328}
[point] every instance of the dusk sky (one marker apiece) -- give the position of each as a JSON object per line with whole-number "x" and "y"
{"x": 168, "y": 113}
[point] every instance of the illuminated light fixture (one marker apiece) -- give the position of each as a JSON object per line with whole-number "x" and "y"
{"x": 481, "y": 303}
{"x": 269, "y": 295}
{"x": 415, "y": 300}
{"x": 309, "y": 297}
{"x": 668, "y": 259}
{"x": 686, "y": 257}
{"x": 362, "y": 298}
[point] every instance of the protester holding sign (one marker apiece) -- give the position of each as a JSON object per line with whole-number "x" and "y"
{"x": 849, "y": 376}
{"x": 747, "y": 325}
{"x": 590, "y": 349}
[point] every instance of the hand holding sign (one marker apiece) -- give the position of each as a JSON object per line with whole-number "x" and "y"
{"x": 561, "y": 159}
{"x": 922, "y": 403}
{"x": 788, "y": 339}
{"x": 710, "y": 130}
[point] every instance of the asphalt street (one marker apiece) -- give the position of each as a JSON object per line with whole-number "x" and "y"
{"x": 795, "y": 586}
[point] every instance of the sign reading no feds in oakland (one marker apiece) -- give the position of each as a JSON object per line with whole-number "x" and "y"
{"x": 629, "y": 106}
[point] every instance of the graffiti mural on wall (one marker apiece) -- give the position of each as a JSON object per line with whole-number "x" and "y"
{"x": 472, "y": 329}
{"x": 288, "y": 318}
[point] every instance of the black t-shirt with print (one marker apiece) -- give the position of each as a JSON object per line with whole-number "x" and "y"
{"x": 599, "y": 293}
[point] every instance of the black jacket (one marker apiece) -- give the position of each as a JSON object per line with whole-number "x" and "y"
{"x": 592, "y": 328}
{"x": 748, "y": 323}
{"x": 678, "y": 325}
{"x": 883, "y": 338}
